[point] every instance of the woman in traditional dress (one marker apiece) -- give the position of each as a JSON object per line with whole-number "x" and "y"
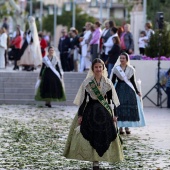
{"x": 31, "y": 57}
{"x": 51, "y": 86}
{"x": 130, "y": 112}
{"x": 93, "y": 135}
{"x": 3, "y": 46}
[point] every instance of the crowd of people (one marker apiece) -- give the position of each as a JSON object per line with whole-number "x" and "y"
{"x": 108, "y": 99}
{"x": 78, "y": 50}
{"x": 20, "y": 47}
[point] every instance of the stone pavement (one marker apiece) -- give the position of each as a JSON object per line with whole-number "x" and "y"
{"x": 147, "y": 148}
{"x": 157, "y": 127}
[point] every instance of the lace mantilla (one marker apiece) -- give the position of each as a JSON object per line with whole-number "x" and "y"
{"x": 105, "y": 85}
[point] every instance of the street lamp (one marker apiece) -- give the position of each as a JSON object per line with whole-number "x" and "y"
{"x": 101, "y": 11}
{"x": 68, "y": 6}
{"x": 55, "y": 22}
{"x": 30, "y": 2}
{"x": 108, "y": 5}
{"x": 41, "y": 11}
{"x": 57, "y": 11}
{"x": 74, "y": 14}
{"x": 144, "y": 11}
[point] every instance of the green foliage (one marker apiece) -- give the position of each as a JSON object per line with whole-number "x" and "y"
{"x": 4, "y": 11}
{"x": 66, "y": 20}
{"x": 159, "y": 44}
{"x": 154, "y": 6}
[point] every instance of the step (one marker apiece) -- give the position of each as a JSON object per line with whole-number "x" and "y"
{"x": 27, "y": 96}
{"x": 18, "y": 87}
{"x": 31, "y": 90}
{"x": 33, "y": 102}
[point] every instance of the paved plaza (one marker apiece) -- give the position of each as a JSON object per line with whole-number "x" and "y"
{"x": 32, "y": 137}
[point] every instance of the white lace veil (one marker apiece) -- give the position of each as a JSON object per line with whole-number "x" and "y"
{"x": 91, "y": 73}
{"x": 36, "y": 43}
{"x": 118, "y": 60}
{"x": 130, "y": 68}
{"x": 81, "y": 92}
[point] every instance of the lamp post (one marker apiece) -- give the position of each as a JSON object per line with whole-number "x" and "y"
{"x": 41, "y": 11}
{"x": 101, "y": 11}
{"x": 144, "y": 11}
{"x": 74, "y": 14}
{"x": 108, "y": 5}
{"x": 30, "y": 7}
{"x": 55, "y": 22}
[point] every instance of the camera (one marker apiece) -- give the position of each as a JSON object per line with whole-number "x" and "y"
{"x": 159, "y": 20}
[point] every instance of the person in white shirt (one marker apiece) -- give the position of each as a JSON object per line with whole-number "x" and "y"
{"x": 109, "y": 43}
{"x": 3, "y": 46}
{"x": 142, "y": 43}
{"x": 84, "y": 42}
{"x": 104, "y": 37}
{"x": 149, "y": 32}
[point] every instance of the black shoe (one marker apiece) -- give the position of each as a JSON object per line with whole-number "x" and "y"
{"x": 30, "y": 69}
{"x": 95, "y": 167}
{"x": 16, "y": 68}
{"x": 48, "y": 105}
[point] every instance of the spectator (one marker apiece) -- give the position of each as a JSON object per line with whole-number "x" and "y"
{"x": 84, "y": 43}
{"x": 104, "y": 37}
{"x": 5, "y": 24}
{"x": 109, "y": 43}
{"x": 43, "y": 44}
{"x": 142, "y": 43}
{"x": 113, "y": 54}
{"x": 126, "y": 40}
{"x": 15, "y": 32}
{"x": 64, "y": 47}
{"x": 95, "y": 40}
{"x": 149, "y": 32}
{"x": 76, "y": 47}
{"x": 16, "y": 46}
{"x": 120, "y": 31}
{"x": 3, "y": 46}
{"x": 112, "y": 24}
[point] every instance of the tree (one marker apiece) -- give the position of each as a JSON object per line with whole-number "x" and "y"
{"x": 66, "y": 20}
{"x": 159, "y": 44}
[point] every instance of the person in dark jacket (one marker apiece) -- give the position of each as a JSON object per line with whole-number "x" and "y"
{"x": 126, "y": 40}
{"x": 75, "y": 48}
{"x": 64, "y": 47}
{"x": 113, "y": 54}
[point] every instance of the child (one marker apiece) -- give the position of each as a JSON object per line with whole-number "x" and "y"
{"x": 141, "y": 42}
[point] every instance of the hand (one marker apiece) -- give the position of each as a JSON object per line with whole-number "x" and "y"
{"x": 130, "y": 51}
{"x": 80, "y": 120}
{"x": 106, "y": 62}
{"x": 139, "y": 94}
{"x": 115, "y": 119}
